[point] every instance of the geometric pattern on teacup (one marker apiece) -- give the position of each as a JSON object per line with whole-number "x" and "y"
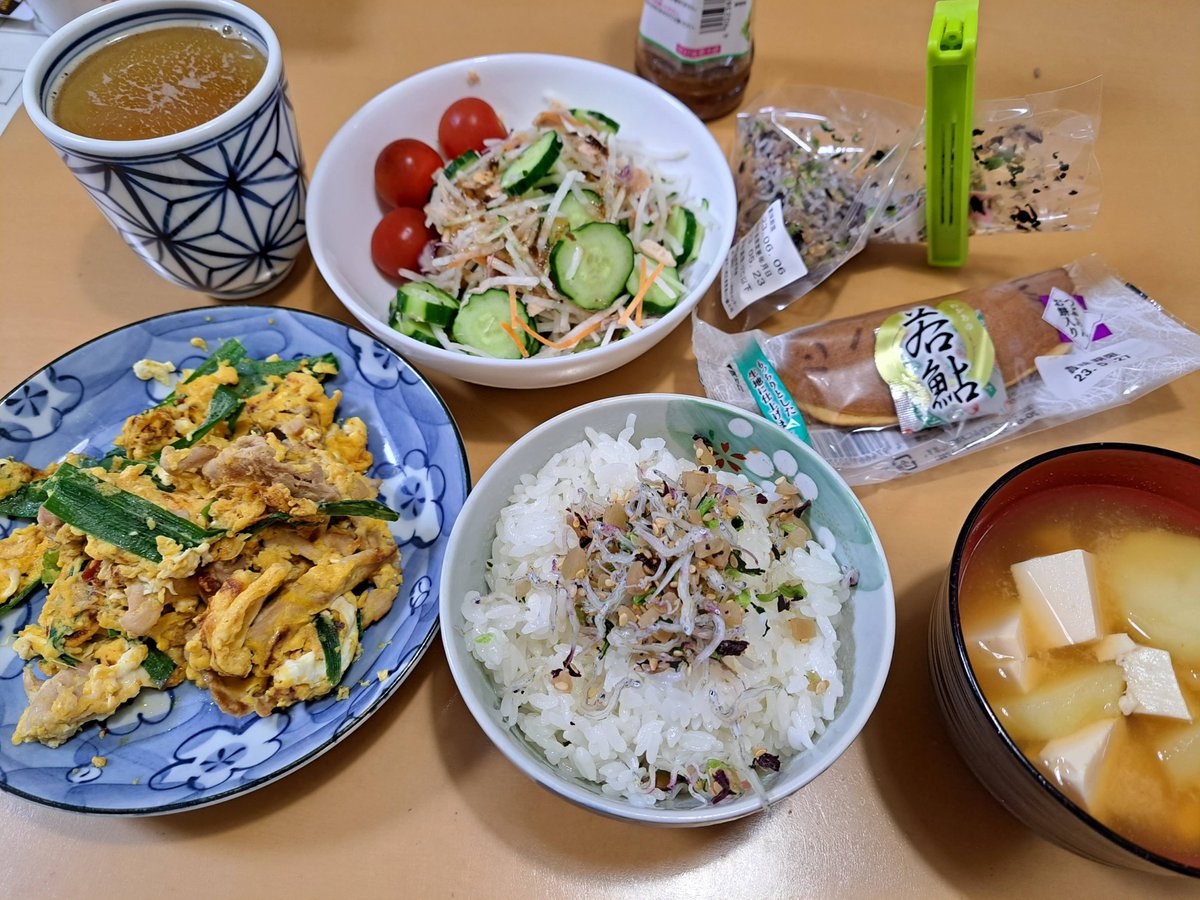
{"x": 222, "y": 217}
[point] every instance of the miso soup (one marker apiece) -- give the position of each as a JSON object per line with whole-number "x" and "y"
{"x": 1098, "y": 715}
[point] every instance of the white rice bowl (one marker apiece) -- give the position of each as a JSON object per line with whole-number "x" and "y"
{"x": 865, "y": 626}
{"x": 778, "y": 696}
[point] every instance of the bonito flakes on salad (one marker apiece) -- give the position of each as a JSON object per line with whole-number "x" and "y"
{"x": 553, "y": 239}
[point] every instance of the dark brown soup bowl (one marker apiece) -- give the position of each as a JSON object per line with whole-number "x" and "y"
{"x": 976, "y": 731}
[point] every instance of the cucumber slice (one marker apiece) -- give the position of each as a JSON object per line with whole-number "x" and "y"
{"x": 418, "y": 331}
{"x": 573, "y": 213}
{"x": 664, "y": 294}
{"x": 596, "y": 120}
{"x": 683, "y": 225}
{"x": 531, "y": 165}
{"x": 460, "y": 162}
{"x": 423, "y": 302}
{"x": 696, "y": 245}
{"x": 478, "y": 324}
{"x": 604, "y": 264}
{"x": 579, "y": 214}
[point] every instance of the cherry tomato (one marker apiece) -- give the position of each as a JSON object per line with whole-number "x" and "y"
{"x": 399, "y": 239}
{"x": 404, "y": 172}
{"x": 465, "y": 125}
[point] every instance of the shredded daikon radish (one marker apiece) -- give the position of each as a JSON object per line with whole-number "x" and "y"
{"x": 490, "y": 239}
{"x": 576, "y": 259}
{"x": 552, "y": 211}
{"x": 504, "y": 281}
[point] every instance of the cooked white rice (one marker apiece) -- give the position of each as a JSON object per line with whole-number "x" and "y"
{"x": 776, "y": 697}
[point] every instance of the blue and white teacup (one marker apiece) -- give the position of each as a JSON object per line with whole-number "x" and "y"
{"x": 218, "y": 208}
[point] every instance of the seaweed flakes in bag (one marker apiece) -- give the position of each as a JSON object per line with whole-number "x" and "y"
{"x": 1033, "y": 168}
{"x": 1067, "y": 343}
{"x": 830, "y": 169}
{"x": 819, "y": 164}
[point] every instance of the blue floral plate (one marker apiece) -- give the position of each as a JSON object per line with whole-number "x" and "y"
{"x": 172, "y": 750}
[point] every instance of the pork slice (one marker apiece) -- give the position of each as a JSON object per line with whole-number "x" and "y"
{"x": 143, "y": 610}
{"x": 190, "y": 459}
{"x": 250, "y": 461}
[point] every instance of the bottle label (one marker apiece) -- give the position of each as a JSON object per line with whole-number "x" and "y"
{"x": 697, "y": 30}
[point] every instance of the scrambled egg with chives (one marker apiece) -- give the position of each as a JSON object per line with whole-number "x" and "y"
{"x": 231, "y": 538}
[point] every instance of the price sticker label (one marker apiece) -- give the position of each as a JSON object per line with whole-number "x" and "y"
{"x": 1075, "y": 375}
{"x": 762, "y": 262}
{"x": 1071, "y": 318}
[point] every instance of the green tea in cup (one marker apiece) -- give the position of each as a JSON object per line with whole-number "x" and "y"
{"x": 175, "y": 116}
{"x": 155, "y": 82}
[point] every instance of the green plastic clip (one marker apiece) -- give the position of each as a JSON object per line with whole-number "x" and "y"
{"x": 949, "y": 98}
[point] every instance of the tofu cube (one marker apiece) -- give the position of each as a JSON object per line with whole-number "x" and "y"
{"x": 1059, "y": 593}
{"x": 1075, "y": 761}
{"x": 1005, "y": 639}
{"x": 1112, "y": 646}
{"x": 1150, "y": 685}
{"x": 1023, "y": 674}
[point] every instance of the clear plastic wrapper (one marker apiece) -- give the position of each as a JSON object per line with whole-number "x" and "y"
{"x": 1064, "y": 344}
{"x": 836, "y": 168}
{"x": 828, "y": 158}
{"x": 1033, "y": 168}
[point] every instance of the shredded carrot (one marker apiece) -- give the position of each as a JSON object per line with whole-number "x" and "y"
{"x": 463, "y": 260}
{"x": 516, "y": 340}
{"x": 624, "y": 317}
{"x": 516, "y": 321}
{"x": 644, "y": 283}
{"x": 554, "y": 345}
{"x": 533, "y": 334}
{"x": 566, "y": 343}
{"x": 627, "y": 313}
{"x": 569, "y": 118}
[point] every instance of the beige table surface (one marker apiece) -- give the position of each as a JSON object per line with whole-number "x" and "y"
{"x": 417, "y": 802}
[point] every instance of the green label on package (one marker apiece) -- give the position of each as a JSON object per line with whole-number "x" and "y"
{"x": 940, "y": 365}
{"x": 773, "y": 399}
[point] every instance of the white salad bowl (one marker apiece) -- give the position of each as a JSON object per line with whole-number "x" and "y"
{"x": 762, "y": 451}
{"x": 343, "y": 209}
